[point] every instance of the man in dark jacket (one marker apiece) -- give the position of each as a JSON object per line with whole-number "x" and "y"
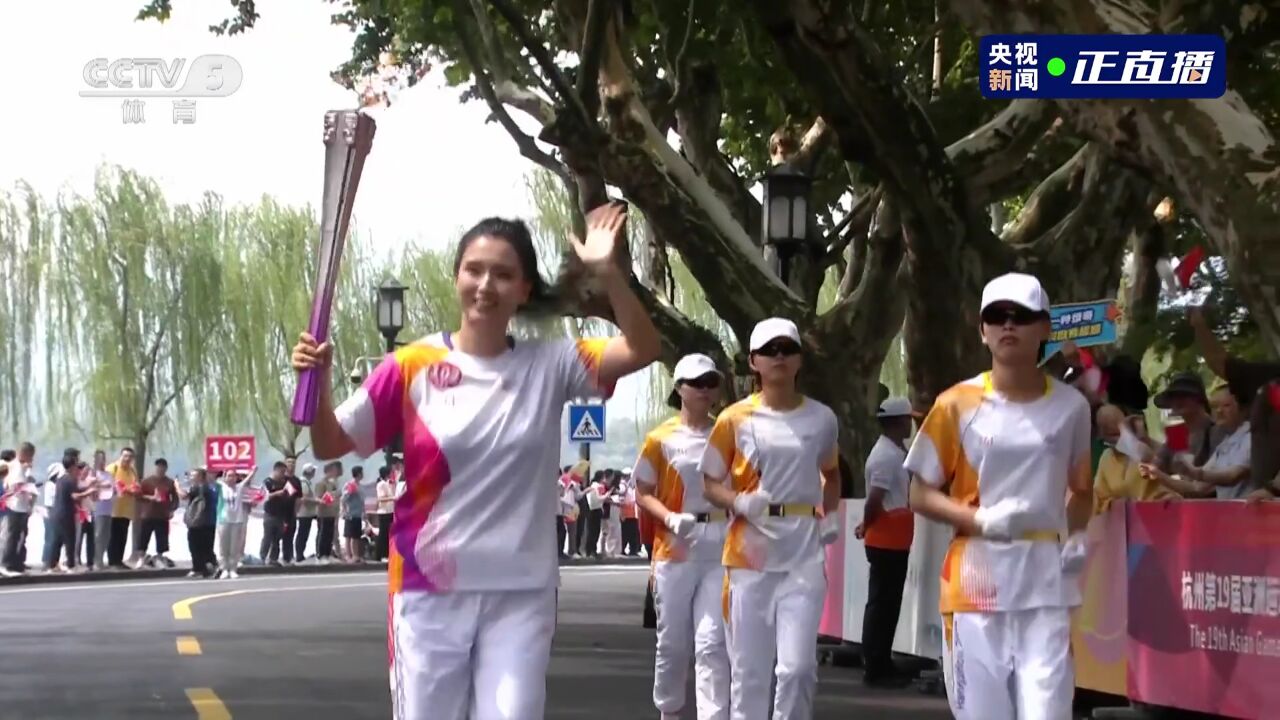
{"x": 202, "y": 523}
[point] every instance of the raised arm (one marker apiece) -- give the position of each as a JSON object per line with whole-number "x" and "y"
{"x": 639, "y": 343}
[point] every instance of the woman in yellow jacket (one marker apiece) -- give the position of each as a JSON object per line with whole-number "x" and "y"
{"x": 687, "y": 546}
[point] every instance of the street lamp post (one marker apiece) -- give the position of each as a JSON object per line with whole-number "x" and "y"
{"x": 390, "y": 315}
{"x": 786, "y": 215}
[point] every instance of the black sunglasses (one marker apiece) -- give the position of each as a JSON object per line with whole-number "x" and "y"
{"x": 710, "y": 381}
{"x": 782, "y": 349}
{"x": 1018, "y": 315}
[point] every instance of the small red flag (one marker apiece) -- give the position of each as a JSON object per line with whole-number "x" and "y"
{"x": 1188, "y": 265}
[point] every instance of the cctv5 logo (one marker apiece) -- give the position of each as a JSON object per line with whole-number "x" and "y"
{"x": 206, "y": 76}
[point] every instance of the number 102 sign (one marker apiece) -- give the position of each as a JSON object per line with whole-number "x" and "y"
{"x": 229, "y": 452}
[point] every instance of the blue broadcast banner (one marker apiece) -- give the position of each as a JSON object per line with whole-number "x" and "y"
{"x": 1085, "y": 324}
{"x": 1102, "y": 66}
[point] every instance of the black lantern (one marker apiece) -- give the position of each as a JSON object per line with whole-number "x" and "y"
{"x": 391, "y": 310}
{"x": 786, "y": 213}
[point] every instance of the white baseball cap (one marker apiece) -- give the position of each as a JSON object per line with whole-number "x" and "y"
{"x": 895, "y": 407}
{"x": 694, "y": 366}
{"x": 772, "y": 329}
{"x": 690, "y": 367}
{"x": 1018, "y": 288}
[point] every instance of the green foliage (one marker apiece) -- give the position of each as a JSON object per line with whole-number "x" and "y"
{"x": 26, "y": 241}
{"x": 177, "y": 321}
{"x": 146, "y": 286}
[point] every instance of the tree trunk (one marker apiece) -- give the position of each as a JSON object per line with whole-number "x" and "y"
{"x": 1143, "y": 293}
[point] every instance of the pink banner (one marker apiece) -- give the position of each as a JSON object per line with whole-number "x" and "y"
{"x": 1204, "y": 606}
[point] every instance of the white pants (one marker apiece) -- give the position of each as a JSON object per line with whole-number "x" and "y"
{"x": 476, "y": 655}
{"x": 231, "y": 544}
{"x": 612, "y": 532}
{"x": 774, "y": 615}
{"x": 687, "y": 597}
{"x": 1013, "y": 665}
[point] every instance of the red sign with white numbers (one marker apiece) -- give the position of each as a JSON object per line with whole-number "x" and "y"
{"x": 230, "y": 452}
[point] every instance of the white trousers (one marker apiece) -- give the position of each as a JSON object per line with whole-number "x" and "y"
{"x": 231, "y": 544}
{"x": 1013, "y": 665}
{"x": 612, "y": 534}
{"x": 687, "y": 598}
{"x": 774, "y": 616}
{"x": 470, "y": 655}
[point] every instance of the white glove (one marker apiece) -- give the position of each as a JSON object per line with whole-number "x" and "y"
{"x": 752, "y": 504}
{"x": 1074, "y": 551}
{"x": 681, "y": 524}
{"x": 829, "y": 529}
{"x": 1003, "y": 520}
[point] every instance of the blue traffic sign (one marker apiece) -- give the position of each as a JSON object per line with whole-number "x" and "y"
{"x": 586, "y": 423}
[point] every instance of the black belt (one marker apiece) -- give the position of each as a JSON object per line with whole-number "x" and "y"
{"x": 711, "y": 516}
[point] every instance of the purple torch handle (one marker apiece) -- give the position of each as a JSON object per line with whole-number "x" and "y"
{"x": 348, "y": 136}
{"x": 307, "y": 396}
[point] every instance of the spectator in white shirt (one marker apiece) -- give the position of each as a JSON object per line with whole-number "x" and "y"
{"x": 19, "y": 497}
{"x": 595, "y": 493}
{"x": 238, "y": 497}
{"x": 386, "y": 494}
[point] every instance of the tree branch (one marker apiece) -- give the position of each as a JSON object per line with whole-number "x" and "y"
{"x": 1142, "y": 301}
{"x": 999, "y": 148}
{"x": 597, "y": 24}
{"x": 1051, "y": 200}
{"x": 1079, "y": 241}
{"x": 698, "y": 116}
{"x": 875, "y": 309}
{"x": 164, "y": 404}
{"x": 527, "y": 145}
{"x": 542, "y": 56}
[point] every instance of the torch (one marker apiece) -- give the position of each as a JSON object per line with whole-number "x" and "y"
{"x": 348, "y": 136}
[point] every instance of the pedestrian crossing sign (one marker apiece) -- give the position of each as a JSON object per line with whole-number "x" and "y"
{"x": 586, "y": 423}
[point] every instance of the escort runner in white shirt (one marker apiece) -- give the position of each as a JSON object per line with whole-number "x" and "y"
{"x": 472, "y": 568}
{"x": 688, "y": 578}
{"x": 995, "y": 458}
{"x": 777, "y": 449}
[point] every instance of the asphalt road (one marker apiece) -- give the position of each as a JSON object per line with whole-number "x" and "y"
{"x": 263, "y": 648}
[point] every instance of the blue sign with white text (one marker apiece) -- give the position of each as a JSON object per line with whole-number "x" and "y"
{"x": 586, "y": 423}
{"x": 1102, "y": 66}
{"x": 1085, "y": 324}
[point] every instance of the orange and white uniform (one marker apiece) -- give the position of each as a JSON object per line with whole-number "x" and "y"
{"x": 1006, "y": 604}
{"x": 688, "y": 578}
{"x": 776, "y": 576}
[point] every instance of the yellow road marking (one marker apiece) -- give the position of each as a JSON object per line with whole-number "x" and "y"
{"x": 182, "y": 608}
{"x": 207, "y": 704}
{"x": 188, "y": 645}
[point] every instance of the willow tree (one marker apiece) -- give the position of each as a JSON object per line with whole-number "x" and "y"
{"x": 26, "y": 227}
{"x": 269, "y": 264}
{"x": 137, "y": 291}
